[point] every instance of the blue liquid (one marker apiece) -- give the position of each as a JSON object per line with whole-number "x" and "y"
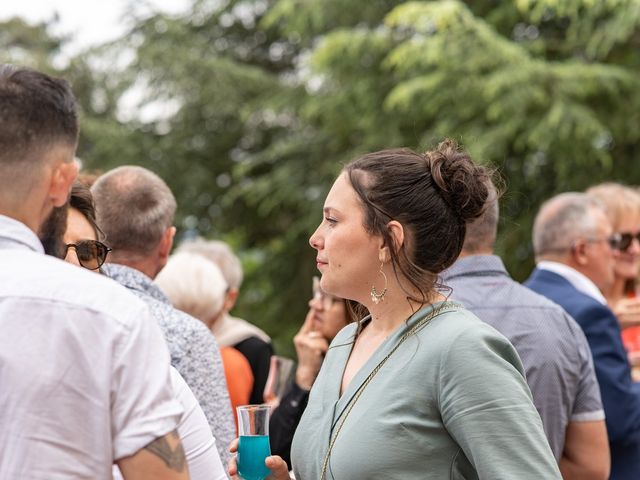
{"x": 251, "y": 454}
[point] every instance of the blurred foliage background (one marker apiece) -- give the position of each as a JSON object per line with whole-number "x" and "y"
{"x": 248, "y": 109}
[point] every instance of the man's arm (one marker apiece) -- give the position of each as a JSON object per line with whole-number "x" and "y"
{"x": 201, "y": 367}
{"x": 162, "y": 459}
{"x": 586, "y": 452}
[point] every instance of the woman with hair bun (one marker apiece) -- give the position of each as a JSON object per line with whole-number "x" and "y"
{"x": 420, "y": 388}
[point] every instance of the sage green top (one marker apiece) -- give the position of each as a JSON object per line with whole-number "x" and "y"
{"x": 450, "y": 403}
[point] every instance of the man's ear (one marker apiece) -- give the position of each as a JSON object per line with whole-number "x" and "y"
{"x": 167, "y": 242}
{"x": 62, "y": 176}
{"x": 579, "y": 253}
{"x": 396, "y": 231}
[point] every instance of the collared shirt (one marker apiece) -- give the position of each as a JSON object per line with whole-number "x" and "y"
{"x": 552, "y": 346}
{"x": 194, "y": 353}
{"x": 580, "y": 281}
{"x": 84, "y": 370}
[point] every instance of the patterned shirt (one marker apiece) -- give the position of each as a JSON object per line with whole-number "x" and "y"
{"x": 194, "y": 353}
{"x": 552, "y": 346}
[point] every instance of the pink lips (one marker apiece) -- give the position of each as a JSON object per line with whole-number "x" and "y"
{"x": 320, "y": 263}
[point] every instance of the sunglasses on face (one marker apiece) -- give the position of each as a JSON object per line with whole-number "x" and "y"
{"x": 626, "y": 239}
{"x": 91, "y": 253}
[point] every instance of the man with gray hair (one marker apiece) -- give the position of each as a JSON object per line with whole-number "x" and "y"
{"x": 231, "y": 331}
{"x": 553, "y": 349}
{"x": 135, "y": 210}
{"x": 575, "y": 247}
{"x": 84, "y": 371}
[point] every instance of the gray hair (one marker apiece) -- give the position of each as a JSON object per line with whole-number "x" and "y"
{"x": 562, "y": 220}
{"x": 134, "y": 208}
{"x": 194, "y": 285}
{"x": 219, "y": 253}
{"x": 482, "y": 232}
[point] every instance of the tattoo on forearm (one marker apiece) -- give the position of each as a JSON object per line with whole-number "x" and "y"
{"x": 169, "y": 449}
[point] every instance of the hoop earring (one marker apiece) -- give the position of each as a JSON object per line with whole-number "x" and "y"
{"x": 375, "y": 296}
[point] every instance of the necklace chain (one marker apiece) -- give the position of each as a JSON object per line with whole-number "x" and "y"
{"x": 444, "y": 307}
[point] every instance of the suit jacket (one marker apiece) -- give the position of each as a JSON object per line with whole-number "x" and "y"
{"x": 620, "y": 396}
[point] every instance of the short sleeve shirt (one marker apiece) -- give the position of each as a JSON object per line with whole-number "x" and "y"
{"x": 84, "y": 370}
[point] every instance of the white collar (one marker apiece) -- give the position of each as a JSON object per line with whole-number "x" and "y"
{"x": 580, "y": 281}
{"x": 15, "y": 234}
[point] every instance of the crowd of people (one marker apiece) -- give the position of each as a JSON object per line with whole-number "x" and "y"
{"x": 420, "y": 356}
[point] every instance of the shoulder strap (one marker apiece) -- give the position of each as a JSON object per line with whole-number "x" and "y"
{"x": 444, "y": 307}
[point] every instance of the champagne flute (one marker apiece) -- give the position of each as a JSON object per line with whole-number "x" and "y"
{"x": 253, "y": 447}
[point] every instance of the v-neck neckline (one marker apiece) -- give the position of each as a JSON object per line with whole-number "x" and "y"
{"x": 372, "y": 362}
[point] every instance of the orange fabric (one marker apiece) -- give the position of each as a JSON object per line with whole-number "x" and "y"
{"x": 239, "y": 377}
{"x": 631, "y": 335}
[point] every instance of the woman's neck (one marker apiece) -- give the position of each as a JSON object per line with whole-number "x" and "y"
{"x": 394, "y": 310}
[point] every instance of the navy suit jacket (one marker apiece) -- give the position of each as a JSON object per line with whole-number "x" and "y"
{"x": 620, "y": 396}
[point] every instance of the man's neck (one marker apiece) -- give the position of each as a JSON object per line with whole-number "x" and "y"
{"x": 146, "y": 266}
{"x": 468, "y": 253}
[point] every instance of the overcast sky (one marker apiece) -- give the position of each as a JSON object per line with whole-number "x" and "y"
{"x": 90, "y": 21}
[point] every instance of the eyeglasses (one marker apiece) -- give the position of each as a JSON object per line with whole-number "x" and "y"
{"x": 613, "y": 241}
{"x": 326, "y": 299}
{"x": 91, "y": 253}
{"x": 625, "y": 240}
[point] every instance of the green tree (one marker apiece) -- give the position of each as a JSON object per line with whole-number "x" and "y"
{"x": 248, "y": 108}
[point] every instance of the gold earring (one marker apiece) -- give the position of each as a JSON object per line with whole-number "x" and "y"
{"x": 375, "y": 296}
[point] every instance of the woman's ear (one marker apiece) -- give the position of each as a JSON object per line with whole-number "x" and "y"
{"x": 396, "y": 231}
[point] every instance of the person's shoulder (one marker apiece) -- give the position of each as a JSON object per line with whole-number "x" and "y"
{"x": 460, "y": 328}
{"x": 66, "y": 286}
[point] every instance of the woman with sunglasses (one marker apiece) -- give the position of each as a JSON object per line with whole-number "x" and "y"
{"x": 623, "y": 209}
{"x": 420, "y": 388}
{"x": 326, "y": 317}
{"x": 82, "y": 248}
{"x": 81, "y": 244}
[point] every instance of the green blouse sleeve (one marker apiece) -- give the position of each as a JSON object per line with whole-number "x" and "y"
{"x": 486, "y": 406}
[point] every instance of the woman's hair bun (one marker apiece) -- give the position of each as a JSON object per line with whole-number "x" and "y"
{"x": 461, "y": 183}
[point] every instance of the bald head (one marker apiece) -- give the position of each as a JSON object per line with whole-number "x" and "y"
{"x": 134, "y": 207}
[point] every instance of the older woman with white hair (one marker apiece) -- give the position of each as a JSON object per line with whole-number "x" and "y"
{"x": 196, "y": 286}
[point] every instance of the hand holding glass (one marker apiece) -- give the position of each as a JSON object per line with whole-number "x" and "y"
{"x": 253, "y": 448}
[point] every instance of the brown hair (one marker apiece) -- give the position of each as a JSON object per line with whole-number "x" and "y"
{"x": 82, "y": 200}
{"x": 38, "y": 112}
{"x": 432, "y": 195}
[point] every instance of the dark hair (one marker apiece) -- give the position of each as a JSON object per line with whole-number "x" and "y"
{"x": 51, "y": 233}
{"x": 37, "y": 111}
{"x": 82, "y": 200}
{"x": 432, "y": 195}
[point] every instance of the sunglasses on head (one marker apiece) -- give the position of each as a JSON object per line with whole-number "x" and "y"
{"x": 625, "y": 239}
{"x": 91, "y": 253}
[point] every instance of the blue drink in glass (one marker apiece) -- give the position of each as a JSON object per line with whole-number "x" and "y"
{"x": 253, "y": 446}
{"x": 252, "y": 451}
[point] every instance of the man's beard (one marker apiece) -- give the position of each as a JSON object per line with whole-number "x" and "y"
{"x": 52, "y": 231}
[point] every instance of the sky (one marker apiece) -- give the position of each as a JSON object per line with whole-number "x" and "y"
{"x": 90, "y": 21}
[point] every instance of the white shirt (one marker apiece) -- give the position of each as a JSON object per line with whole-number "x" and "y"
{"x": 199, "y": 445}
{"x": 84, "y": 370}
{"x": 580, "y": 281}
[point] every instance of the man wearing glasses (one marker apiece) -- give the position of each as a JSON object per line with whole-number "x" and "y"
{"x": 84, "y": 371}
{"x": 575, "y": 248}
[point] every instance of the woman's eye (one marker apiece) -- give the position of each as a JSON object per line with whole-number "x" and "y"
{"x": 330, "y": 220}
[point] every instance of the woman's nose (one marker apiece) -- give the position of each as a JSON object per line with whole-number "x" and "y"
{"x": 315, "y": 240}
